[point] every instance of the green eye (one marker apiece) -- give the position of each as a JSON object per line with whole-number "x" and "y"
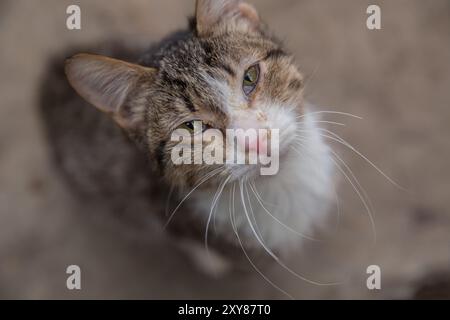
{"x": 190, "y": 125}
{"x": 251, "y": 77}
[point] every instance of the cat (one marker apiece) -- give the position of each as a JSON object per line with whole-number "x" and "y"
{"x": 226, "y": 70}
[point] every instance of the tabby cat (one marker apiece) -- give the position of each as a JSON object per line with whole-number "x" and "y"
{"x": 225, "y": 70}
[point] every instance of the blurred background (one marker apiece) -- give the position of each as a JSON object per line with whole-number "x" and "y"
{"x": 396, "y": 78}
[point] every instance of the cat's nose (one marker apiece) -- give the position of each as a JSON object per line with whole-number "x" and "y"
{"x": 254, "y": 133}
{"x": 257, "y": 144}
{"x": 254, "y": 143}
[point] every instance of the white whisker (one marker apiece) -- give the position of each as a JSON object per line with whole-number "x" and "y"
{"x": 323, "y": 121}
{"x": 262, "y": 200}
{"x": 337, "y": 138}
{"x": 204, "y": 179}
{"x": 166, "y": 210}
{"x": 368, "y": 205}
{"x": 259, "y": 199}
{"x": 330, "y": 112}
{"x": 338, "y": 209}
{"x": 251, "y": 209}
{"x": 274, "y": 256}
{"x": 359, "y": 190}
{"x": 233, "y": 225}
{"x": 213, "y": 205}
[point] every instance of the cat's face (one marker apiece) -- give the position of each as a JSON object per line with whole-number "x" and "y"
{"x": 228, "y": 74}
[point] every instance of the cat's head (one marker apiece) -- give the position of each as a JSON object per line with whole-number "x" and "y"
{"x": 228, "y": 73}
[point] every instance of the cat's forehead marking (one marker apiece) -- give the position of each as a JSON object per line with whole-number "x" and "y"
{"x": 218, "y": 87}
{"x": 203, "y": 76}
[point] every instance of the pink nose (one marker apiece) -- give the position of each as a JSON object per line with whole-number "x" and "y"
{"x": 256, "y": 144}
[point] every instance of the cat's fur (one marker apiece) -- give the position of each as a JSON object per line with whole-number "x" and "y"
{"x": 193, "y": 74}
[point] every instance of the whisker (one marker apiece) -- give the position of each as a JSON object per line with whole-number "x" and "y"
{"x": 214, "y": 203}
{"x": 166, "y": 210}
{"x": 259, "y": 199}
{"x": 251, "y": 208}
{"x": 360, "y": 191}
{"x": 330, "y": 112}
{"x": 275, "y": 257}
{"x": 262, "y": 200}
{"x": 364, "y": 194}
{"x": 233, "y": 225}
{"x": 337, "y": 138}
{"x": 204, "y": 179}
{"x": 241, "y": 189}
{"x": 338, "y": 209}
{"x": 323, "y": 121}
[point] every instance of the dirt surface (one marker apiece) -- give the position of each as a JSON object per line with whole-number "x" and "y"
{"x": 397, "y": 79}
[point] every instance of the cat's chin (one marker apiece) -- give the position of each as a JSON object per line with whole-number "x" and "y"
{"x": 254, "y": 171}
{"x": 245, "y": 172}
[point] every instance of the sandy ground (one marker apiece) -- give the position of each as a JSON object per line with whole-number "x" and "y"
{"x": 397, "y": 79}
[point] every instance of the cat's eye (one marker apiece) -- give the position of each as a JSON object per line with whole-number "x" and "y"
{"x": 190, "y": 125}
{"x": 251, "y": 77}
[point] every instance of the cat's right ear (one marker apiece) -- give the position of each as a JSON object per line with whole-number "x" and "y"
{"x": 107, "y": 84}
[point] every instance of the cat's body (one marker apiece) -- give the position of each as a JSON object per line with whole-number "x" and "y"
{"x": 106, "y": 163}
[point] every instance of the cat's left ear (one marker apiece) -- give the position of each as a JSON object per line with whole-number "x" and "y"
{"x": 110, "y": 85}
{"x": 215, "y": 15}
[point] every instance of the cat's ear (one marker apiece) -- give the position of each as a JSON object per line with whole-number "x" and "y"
{"x": 213, "y": 15}
{"x": 107, "y": 84}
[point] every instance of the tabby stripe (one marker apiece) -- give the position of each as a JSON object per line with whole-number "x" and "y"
{"x": 227, "y": 69}
{"x": 188, "y": 103}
